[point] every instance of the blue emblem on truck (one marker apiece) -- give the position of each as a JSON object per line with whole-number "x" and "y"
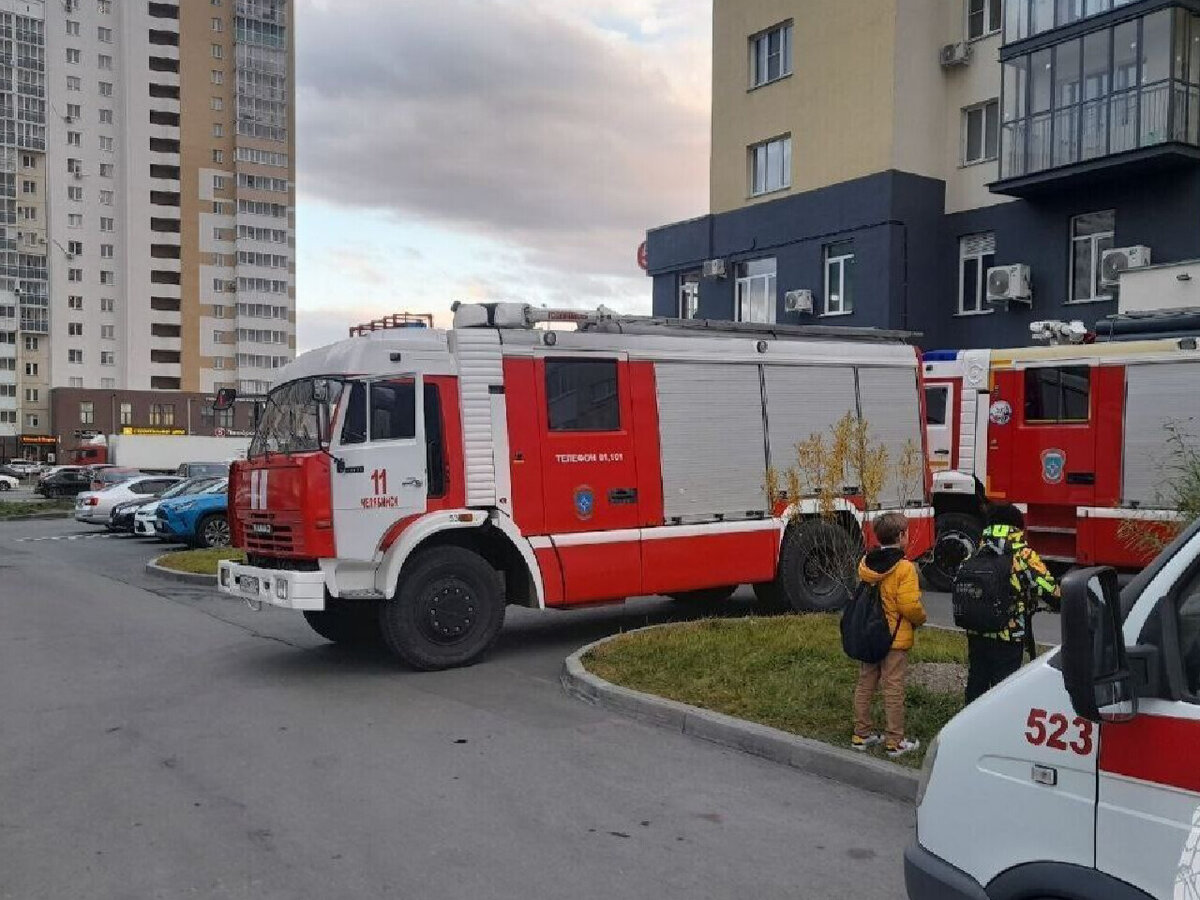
{"x": 585, "y": 502}
{"x": 1054, "y": 463}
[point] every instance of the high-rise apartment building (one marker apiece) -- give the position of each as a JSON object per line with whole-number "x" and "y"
{"x": 147, "y": 155}
{"x": 874, "y": 160}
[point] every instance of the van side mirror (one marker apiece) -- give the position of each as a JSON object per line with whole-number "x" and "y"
{"x": 225, "y": 399}
{"x": 1095, "y": 664}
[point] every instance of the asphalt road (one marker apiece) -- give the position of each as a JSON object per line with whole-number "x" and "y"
{"x": 160, "y": 741}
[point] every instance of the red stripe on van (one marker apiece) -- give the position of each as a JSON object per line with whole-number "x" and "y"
{"x": 1157, "y": 749}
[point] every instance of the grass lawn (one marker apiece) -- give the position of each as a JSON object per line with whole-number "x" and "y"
{"x": 10, "y": 509}
{"x": 788, "y": 672}
{"x": 199, "y": 562}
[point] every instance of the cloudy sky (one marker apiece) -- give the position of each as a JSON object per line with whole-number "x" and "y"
{"x": 491, "y": 149}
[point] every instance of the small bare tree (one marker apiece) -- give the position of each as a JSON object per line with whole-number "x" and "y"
{"x": 1179, "y": 470}
{"x": 844, "y": 464}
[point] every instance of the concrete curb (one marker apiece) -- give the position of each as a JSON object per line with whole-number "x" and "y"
{"x": 152, "y": 568}
{"x": 33, "y": 517}
{"x": 846, "y": 766}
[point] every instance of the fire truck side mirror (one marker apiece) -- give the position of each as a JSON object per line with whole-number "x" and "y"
{"x": 1095, "y": 664}
{"x": 225, "y": 399}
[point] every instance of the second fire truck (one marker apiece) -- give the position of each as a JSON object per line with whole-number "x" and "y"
{"x": 411, "y": 483}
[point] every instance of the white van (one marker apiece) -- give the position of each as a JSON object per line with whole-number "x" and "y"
{"x": 1078, "y": 778}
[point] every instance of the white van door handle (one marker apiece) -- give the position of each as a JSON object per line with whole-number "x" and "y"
{"x": 412, "y": 482}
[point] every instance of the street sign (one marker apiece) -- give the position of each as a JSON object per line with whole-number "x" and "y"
{"x": 643, "y": 262}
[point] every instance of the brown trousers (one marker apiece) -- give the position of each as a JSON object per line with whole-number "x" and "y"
{"x": 889, "y": 675}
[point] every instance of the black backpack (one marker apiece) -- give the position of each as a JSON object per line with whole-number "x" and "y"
{"x": 865, "y": 633}
{"x": 983, "y": 596}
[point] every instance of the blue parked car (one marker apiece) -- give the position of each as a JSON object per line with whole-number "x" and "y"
{"x": 196, "y": 519}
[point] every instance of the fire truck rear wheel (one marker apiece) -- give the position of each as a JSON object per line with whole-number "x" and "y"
{"x": 958, "y": 535}
{"x": 353, "y": 625}
{"x": 447, "y": 611}
{"x": 815, "y": 568}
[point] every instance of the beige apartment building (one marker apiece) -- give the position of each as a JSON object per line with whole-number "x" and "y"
{"x": 156, "y": 206}
{"x": 956, "y": 167}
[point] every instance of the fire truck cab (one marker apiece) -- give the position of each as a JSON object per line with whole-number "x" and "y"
{"x": 1077, "y": 435}
{"x": 410, "y": 483}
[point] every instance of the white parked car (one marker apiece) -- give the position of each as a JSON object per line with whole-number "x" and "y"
{"x": 95, "y": 507}
{"x": 8, "y": 483}
{"x": 145, "y": 518}
{"x": 24, "y": 467}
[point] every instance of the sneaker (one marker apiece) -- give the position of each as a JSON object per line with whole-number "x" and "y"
{"x": 862, "y": 743}
{"x": 907, "y": 745}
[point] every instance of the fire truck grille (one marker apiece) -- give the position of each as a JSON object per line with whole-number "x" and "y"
{"x": 265, "y": 533}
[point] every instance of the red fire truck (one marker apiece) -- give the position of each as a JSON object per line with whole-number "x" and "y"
{"x": 1077, "y": 435}
{"x": 412, "y": 482}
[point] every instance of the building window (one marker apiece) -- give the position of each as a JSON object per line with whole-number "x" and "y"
{"x": 74, "y": 274}
{"x": 1060, "y": 394}
{"x": 755, "y": 291}
{"x": 106, "y": 117}
{"x": 108, "y": 332}
{"x": 106, "y": 251}
{"x": 689, "y": 296}
{"x": 32, "y": 421}
{"x": 218, "y": 52}
{"x": 75, "y": 138}
{"x": 31, "y": 345}
{"x": 74, "y": 83}
{"x": 981, "y": 132}
{"x": 106, "y": 277}
{"x": 771, "y": 166}
{"x": 31, "y": 395}
{"x": 976, "y": 254}
{"x": 126, "y": 414}
{"x": 106, "y": 89}
{"x": 73, "y": 55}
{"x": 28, "y": 187}
{"x": 104, "y": 35}
{"x": 75, "y": 381}
{"x": 106, "y": 170}
{"x": 75, "y": 357}
{"x": 75, "y": 329}
{"x": 581, "y": 395}
{"x": 218, "y": 130}
{"x": 217, "y": 103}
{"x": 72, "y": 28}
{"x": 74, "y": 193}
{"x": 106, "y": 143}
{"x": 108, "y": 384}
{"x": 87, "y": 412}
{"x": 984, "y": 17}
{"x": 1091, "y": 235}
{"x": 218, "y": 25}
{"x": 162, "y": 413}
{"x": 218, "y": 156}
{"x": 108, "y": 358}
{"x": 106, "y": 198}
{"x": 108, "y": 304}
{"x": 106, "y": 224}
{"x": 28, "y": 161}
{"x": 75, "y": 220}
{"x": 74, "y": 302}
{"x": 216, "y": 76}
{"x": 74, "y": 111}
{"x": 31, "y": 370}
{"x": 104, "y": 61}
{"x": 839, "y": 279}
{"x": 104, "y": 7}
{"x": 771, "y": 55}
{"x": 218, "y": 182}
{"x": 75, "y": 248}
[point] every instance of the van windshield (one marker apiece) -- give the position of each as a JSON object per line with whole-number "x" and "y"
{"x": 295, "y": 413}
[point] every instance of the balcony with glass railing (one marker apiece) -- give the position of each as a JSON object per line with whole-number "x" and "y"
{"x": 1109, "y": 98}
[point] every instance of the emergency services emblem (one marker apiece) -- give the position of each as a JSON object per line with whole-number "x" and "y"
{"x": 1000, "y": 413}
{"x": 1054, "y": 465}
{"x": 585, "y": 502}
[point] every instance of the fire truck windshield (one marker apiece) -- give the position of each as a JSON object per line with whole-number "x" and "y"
{"x": 297, "y": 417}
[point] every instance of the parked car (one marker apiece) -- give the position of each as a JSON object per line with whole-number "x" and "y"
{"x": 8, "y": 483}
{"x": 145, "y": 518}
{"x": 95, "y": 507}
{"x": 199, "y": 519}
{"x": 202, "y": 469}
{"x": 107, "y": 476}
{"x": 67, "y": 483}
{"x": 11, "y": 472}
{"x": 24, "y": 467}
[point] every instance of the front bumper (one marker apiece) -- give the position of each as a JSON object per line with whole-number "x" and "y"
{"x": 145, "y": 527}
{"x": 929, "y": 877}
{"x": 275, "y": 587}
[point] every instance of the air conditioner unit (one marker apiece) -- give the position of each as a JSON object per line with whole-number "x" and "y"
{"x": 955, "y": 55}
{"x": 798, "y": 301}
{"x": 1114, "y": 262}
{"x": 1007, "y": 284}
{"x": 70, "y": 120}
{"x": 714, "y": 268}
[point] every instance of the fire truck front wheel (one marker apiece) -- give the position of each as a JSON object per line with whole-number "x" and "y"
{"x": 447, "y": 611}
{"x": 816, "y": 565}
{"x": 958, "y": 535}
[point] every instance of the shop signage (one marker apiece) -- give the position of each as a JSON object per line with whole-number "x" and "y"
{"x": 173, "y": 432}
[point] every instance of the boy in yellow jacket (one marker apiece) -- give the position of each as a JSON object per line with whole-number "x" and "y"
{"x": 900, "y": 593}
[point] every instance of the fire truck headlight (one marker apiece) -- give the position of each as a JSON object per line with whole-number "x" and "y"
{"x": 281, "y": 589}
